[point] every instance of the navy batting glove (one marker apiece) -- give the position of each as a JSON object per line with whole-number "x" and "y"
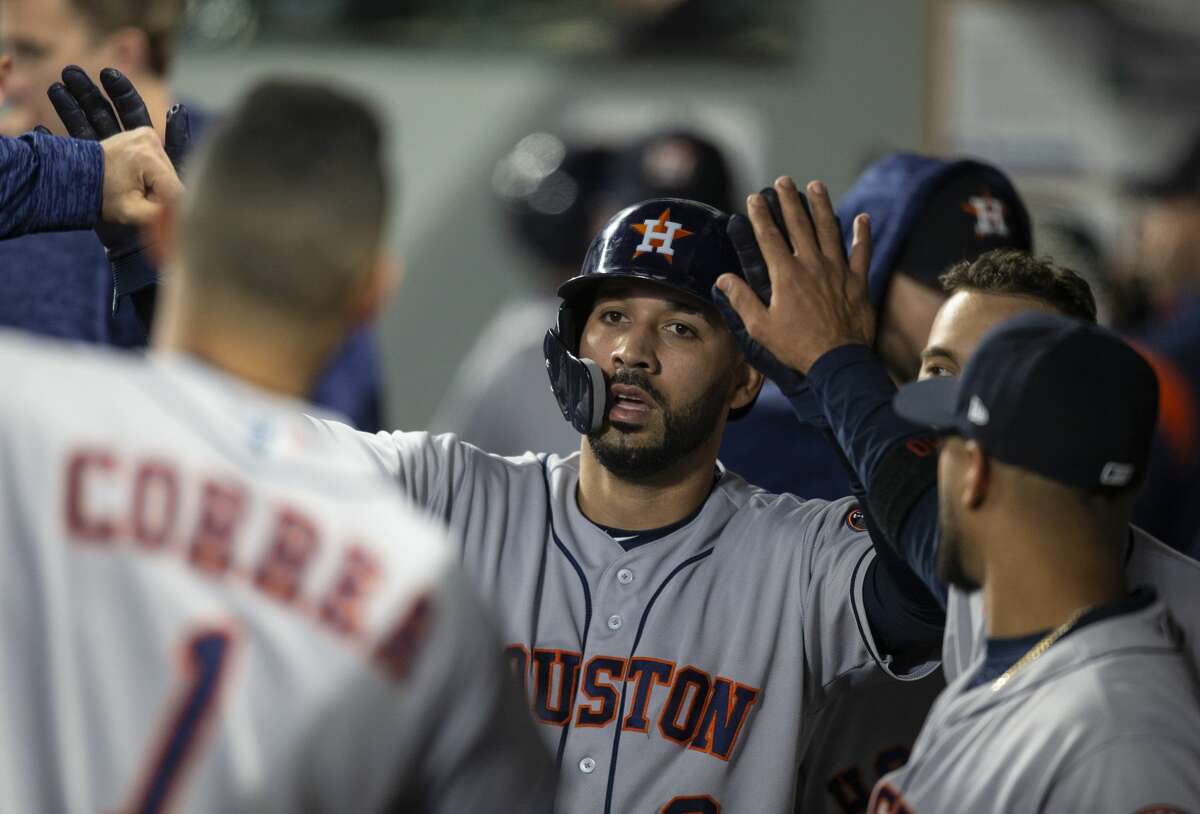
{"x": 754, "y": 269}
{"x": 88, "y": 114}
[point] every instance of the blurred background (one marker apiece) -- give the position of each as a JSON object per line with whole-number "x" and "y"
{"x": 509, "y": 121}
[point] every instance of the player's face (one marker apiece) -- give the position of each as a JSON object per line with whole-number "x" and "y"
{"x": 957, "y": 561}
{"x": 40, "y": 37}
{"x": 673, "y": 372}
{"x": 908, "y": 312}
{"x": 962, "y": 322}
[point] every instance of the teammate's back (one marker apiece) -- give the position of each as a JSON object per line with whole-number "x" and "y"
{"x": 202, "y": 607}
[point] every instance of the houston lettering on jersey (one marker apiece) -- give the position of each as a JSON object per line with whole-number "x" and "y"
{"x": 701, "y": 712}
{"x": 135, "y": 504}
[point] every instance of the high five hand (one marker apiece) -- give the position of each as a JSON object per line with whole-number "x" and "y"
{"x": 818, "y": 297}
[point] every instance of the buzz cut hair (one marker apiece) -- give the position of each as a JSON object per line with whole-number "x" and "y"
{"x": 159, "y": 20}
{"x": 288, "y": 202}
{"x": 1017, "y": 273}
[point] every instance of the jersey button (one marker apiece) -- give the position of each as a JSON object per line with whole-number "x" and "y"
{"x": 624, "y": 576}
{"x": 587, "y": 765}
{"x": 614, "y": 622}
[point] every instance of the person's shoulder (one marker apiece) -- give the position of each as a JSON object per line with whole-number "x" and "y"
{"x": 1153, "y": 562}
{"x": 1132, "y": 667}
{"x": 39, "y": 367}
{"x": 789, "y": 514}
{"x": 381, "y": 517}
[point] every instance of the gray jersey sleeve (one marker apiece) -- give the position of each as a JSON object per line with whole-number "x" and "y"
{"x": 838, "y": 637}
{"x": 466, "y": 745}
{"x": 1132, "y": 775}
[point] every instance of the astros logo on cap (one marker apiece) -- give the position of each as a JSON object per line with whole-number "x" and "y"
{"x": 989, "y": 215}
{"x": 658, "y": 235}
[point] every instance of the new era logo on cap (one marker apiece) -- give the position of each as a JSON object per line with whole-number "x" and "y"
{"x": 977, "y": 412}
{"x": 1115, "y": 474}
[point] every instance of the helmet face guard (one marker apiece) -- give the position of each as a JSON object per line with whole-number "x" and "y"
{"x": 578, "y": 384}
{"x": 676, "y": 243}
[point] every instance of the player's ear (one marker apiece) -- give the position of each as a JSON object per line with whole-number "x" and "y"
{"x": 377, "y": 288}
{"x": 128, "y": 50}
{"x": 977, "y": 476}
{"x": 748, "y": 382}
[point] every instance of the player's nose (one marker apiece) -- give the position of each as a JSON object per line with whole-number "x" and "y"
{"x": 635, "y": 349}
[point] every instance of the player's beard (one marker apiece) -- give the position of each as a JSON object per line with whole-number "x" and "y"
{"x": 951, "y": 566}
{"x": 621, "y": 449}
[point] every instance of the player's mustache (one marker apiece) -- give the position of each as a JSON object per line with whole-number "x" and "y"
{"x": 635, "y": 378}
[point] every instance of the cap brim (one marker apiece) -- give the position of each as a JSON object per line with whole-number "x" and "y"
{"x": 929, "y": 403}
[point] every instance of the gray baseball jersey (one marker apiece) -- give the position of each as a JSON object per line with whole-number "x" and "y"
{"x": 679, "y": 676}
{"x": 1175, "y": 578}
{"x": 865, "y": 730}
{"x": 203, "y": 610}
{"x": 1107, "y": 720}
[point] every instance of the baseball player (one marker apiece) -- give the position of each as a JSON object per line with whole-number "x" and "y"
{"x": 1084, "y": 699}
{"x": 206, "y": 608}
{"x": 49, "y": 183}
{"x": 982, "y": 295}
{"x": 677, "y": 630}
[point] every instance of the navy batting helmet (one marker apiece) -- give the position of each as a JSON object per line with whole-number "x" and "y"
{"x": 674, "y": 242}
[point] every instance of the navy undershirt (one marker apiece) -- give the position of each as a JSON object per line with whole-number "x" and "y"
{"x": 630, "y": 540}
{"x": 1003, "y": 653}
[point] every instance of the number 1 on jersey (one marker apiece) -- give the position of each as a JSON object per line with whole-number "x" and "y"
{"x": 205, "y": 659}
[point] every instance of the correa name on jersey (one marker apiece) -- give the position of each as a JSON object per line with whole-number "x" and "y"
{"x": 135, "y": 504}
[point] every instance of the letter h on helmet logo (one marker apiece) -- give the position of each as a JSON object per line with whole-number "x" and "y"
{"x": 658, "y": 235}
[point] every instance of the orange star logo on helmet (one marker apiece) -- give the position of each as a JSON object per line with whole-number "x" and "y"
{"x": 659, "y": 236}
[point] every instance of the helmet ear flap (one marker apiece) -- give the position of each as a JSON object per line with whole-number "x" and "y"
{"x": 578, "y": 384}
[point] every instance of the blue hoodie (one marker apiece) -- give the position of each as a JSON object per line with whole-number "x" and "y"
{"x": 769, "y": 447}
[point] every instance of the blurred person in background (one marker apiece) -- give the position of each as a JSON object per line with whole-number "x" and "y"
{"x": 1169, "y": 260}
{"x": 557, "y": 196}
{"x": 926, "y": 214}
{"x": 551, "y": 192}
{"x": 61, "y": 284}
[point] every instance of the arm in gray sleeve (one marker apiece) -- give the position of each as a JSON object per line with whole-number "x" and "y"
{"x": 1134, "y": 774}
{"x": 49, "y": 184}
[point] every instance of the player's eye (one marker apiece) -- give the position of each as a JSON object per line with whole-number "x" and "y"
{"x": 611, "y": 317}
{"x": 936, "y": 371}
{"x": 25, "y": 50}
{"x": 681, "y": 330}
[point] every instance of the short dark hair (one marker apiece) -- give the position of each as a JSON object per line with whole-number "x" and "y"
{"x": 1009, "y": 271}
{"x": 159, "y": 20}
{"x": 288, "y": 202}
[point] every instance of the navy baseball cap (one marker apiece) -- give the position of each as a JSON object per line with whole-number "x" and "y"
{"x": 972, "y": 212}
{"x": 1065, "y": 399}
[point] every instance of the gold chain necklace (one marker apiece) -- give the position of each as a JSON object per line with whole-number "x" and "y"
{"x": 1038, "y": 650}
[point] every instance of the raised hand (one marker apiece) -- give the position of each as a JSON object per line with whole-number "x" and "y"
{"x": 87, "y": 114}
{"x": 140, "y": 171}
{"x": 138, "y": 180}
{"x": 817, "y": 296}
